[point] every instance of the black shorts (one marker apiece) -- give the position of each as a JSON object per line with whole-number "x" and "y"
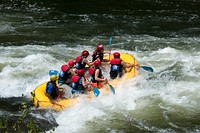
{"x": 115, "y": 74}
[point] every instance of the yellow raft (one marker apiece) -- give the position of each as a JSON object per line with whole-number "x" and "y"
{"x": 41, "y": 100}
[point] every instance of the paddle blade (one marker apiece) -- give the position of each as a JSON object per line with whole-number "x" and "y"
{"x": 111, "y": 88}
{"x": 96, "y": 92}
{"x": 53, "y": 72}
{"x": 110, "y": 41}
{"x": 110, "y": 48}
{"x": 150, "y": 69}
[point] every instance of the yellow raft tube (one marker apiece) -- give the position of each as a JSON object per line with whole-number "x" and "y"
{"x": 39, "y": 98}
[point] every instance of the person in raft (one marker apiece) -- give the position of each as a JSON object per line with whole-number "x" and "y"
{"x": 97, "y": 78}
{"x": 79, "y": 84}
{"x": 66, "y": 73}
{"x": 98, "y": 54}
{"x": 52, "y": 90}
{"x": 81, "y": 61}
{"x": 118, "y": 66}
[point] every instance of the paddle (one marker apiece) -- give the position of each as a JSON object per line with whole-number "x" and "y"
{"x": 111, "y": 88}
{"x": 95, "y": 90}
{"x": 110, "y": 43}
{"x": 150, "y": 69}
{"x": 147, "y": 68}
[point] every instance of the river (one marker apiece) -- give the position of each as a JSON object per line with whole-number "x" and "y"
{"x": 38, "y": 36}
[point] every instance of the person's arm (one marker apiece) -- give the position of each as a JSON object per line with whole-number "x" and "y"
{"x": 97, "y": 78}
{"x": 87, "y": 86}
{"x": 72, "y": 71}
{"x": 107, "y": 52}
{"x": 126, "y": 65}
{"x": 60, "y": 89}
{"x": 49, "y": 96}
{"x": 61, "y": 92}
{"x": 88, "y": 63}
{"x": 84, "y": 83}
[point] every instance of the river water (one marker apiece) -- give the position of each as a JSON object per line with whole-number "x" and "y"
{"x": 37, "y": 36}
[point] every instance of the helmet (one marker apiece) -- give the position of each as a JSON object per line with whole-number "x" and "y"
{"x": 97, "y": 62}
{"x": 71, "y": 63}
{"x": 116, "y": 55}
{"x": 80, "y": 72}
{"x": 64, "y": 68}
{"x": 100, "y": 47}
{"x": 53, "y": 78}
{"x": 85, "y": 53}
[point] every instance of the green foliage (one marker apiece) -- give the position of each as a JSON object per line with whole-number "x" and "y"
{"x": 32, "y": 127}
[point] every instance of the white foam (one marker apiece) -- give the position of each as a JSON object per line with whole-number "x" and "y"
{"x": 25, "y": 67}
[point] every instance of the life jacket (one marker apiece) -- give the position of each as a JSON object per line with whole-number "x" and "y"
{"x": 92, "y": 73}
{"x": 79, "y": 64}
{"x": 96, "y": 55}
{"x": 116, "y": 65}
{"x": 77, "y": 84}
{"x": 64, "y": 75}
{"x": 53, "y": 87}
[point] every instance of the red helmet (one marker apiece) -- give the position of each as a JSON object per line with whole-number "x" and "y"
{"x": 100, "y": 47}
{"x": 71, "y": 63}
{"x": 80, "y": 72}
{"x": 64, "y": 68}
{"x": 116, "y": 55}
{"x": 85, "y": 53}
{"x": 97, "y": 62}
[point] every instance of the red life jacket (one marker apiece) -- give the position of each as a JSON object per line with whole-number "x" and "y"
{"x": 78, "y": 59}
{"x": 79, "y": 64}
{"x": 115, "y": 61}
{"x": 116, "y": 65}
{"x": 91, "y": 71}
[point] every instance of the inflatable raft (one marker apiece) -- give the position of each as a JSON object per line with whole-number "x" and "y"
{"x": 39, "y": 98}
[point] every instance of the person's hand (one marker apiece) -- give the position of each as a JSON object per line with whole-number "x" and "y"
{"x": 53, "y": 101}
{"x": 105, "y": 81}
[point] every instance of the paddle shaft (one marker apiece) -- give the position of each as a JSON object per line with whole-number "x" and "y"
{"x": 110, "y": 43}
{"x": 147, "y": 68}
